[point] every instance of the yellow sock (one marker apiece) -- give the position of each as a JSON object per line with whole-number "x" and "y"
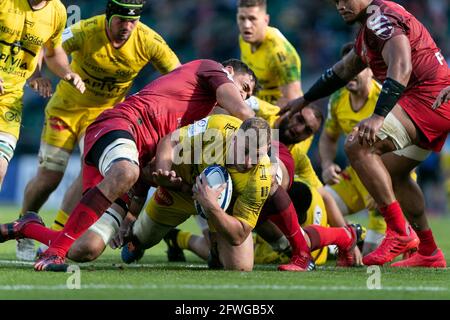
{"x": 183, "y": 238}
{"x": 60, "y": 220}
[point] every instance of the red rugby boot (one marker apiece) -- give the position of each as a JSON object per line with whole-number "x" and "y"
{"x": 392, "y": 246}
{"x": 437, "y": 260}
{"x": 13, "y": 230}
{"x": 299, "y": 263}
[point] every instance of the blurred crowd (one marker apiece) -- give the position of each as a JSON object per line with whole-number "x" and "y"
{"x": 207, "y": 29}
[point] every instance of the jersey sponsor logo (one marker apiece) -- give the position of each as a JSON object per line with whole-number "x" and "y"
{"x": 33, "y": 39}
{"x": 281, "y": 56}
{"x": 198, "y": 127}
{"x": 379, "y": 23}
{"x": 11, "y": 116}
{"x": 317, "y": 215}
{"x": 163, "y": 197}
{"x": 29, "y": 23}
{"x": 67, "y": 34}
{"x": 13, "y": 62}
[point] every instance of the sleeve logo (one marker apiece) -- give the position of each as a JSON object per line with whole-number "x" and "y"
{"x": 198, "y": 127}
{"x": 379, "y": 23}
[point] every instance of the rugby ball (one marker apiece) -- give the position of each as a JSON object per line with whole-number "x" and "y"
{"x": 216, "y": 176}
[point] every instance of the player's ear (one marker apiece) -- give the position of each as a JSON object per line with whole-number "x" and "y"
{"x": 230, "y": 70}
{"x": 267, "y": 19}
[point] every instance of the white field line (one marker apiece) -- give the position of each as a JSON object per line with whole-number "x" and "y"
{"x": 26, "y": 287}
{"x": 108, "y": 264}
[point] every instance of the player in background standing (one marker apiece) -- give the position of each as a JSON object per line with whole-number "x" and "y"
{"x": 346, "y": 107}
{"x": 26, "y": 27}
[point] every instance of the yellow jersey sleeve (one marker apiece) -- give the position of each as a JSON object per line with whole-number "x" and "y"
{"x": 264, "y": 109}
{"x": 304, "y": 169}
{"x": 285, "y": 64}
{"x": 251, "y": 190}
{"x": 59, "y": 23}
{"x": 158, "y": 52}
{"x": 73, "y": 38}
{"x": 331, "y": 123}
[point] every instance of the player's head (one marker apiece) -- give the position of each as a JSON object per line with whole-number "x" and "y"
{"x": 351, "y": 10}
{"x": 301, "y": 125}
{"x": 242, "y": 75}
{"x": 122, "y": 17}
{"x": 363, "y": 80}
{"x": 252, "y": 20}
{"x": 250, "y": 144}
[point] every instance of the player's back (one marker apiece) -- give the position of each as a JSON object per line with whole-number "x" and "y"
{"x": 178, "y": 98}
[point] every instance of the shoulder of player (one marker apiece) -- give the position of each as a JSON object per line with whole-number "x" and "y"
{"x": 58, "y": 6}
{"x": 91, "y": 25}
{"x": 336, "y": 97}
{"x": 278, "y": 48}
{"x": 146, "y": 33}
{"x": 223, "y": 122}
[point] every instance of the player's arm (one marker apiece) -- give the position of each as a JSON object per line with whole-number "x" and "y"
{"x": 234, "y": 230}
{"x": 289, "y": 92}
{"x": 229, "y": 98}
{"x": 328, "y": 147}
{"x": 57, "y": 61}
{"x": 397, "y": 56}
{"x": 332, "y": 80}
{"x": 39, "y": 83}
{"x": 443, "y": 97}
{"x": 162, "y": 173}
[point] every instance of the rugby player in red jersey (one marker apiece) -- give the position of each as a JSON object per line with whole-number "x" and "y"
{"x": 123, "y": 140}
{"x": 384, "y": 148}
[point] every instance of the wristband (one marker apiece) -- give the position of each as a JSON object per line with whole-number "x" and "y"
{"x": 390, "y": 94}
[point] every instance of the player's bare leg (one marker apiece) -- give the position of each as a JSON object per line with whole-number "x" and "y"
{"x": 118, "y": 180}
{"x": 412, "y": 201}
{"x": 367, "y": 162}
{"x": 238, "y": 258}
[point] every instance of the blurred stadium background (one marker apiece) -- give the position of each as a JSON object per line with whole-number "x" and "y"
{"x": 207, "y": 29}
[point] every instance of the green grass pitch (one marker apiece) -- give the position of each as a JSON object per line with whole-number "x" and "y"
{"x": 155, "y": 278}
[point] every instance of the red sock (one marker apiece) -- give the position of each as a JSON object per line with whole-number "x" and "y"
{"x": 395, "y": 220}
{"x": 40, "y": 233}
{"x": 85, "y": 214}
{"x": 427, "y": 245}
{"x": 285, "y": 217}
{"x": 324, "y": 236}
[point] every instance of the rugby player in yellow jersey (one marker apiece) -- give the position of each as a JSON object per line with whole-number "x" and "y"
{"x": 222, "y": 138}
{"x": 268, "y": 53}
{"x": 108, "y": 51}
{"x": 27, "y": 26}
{"x": 347, "y": 107}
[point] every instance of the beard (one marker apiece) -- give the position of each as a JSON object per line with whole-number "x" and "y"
{"x": 284, "y": 136}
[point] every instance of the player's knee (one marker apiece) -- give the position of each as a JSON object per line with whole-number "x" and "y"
{"x": 52, "y": 158}
{"x": 85, "y": 251}
{"x": 242, "y": 265}
{"x": 351, "y": 147}
{"x": 125, "y": 173}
